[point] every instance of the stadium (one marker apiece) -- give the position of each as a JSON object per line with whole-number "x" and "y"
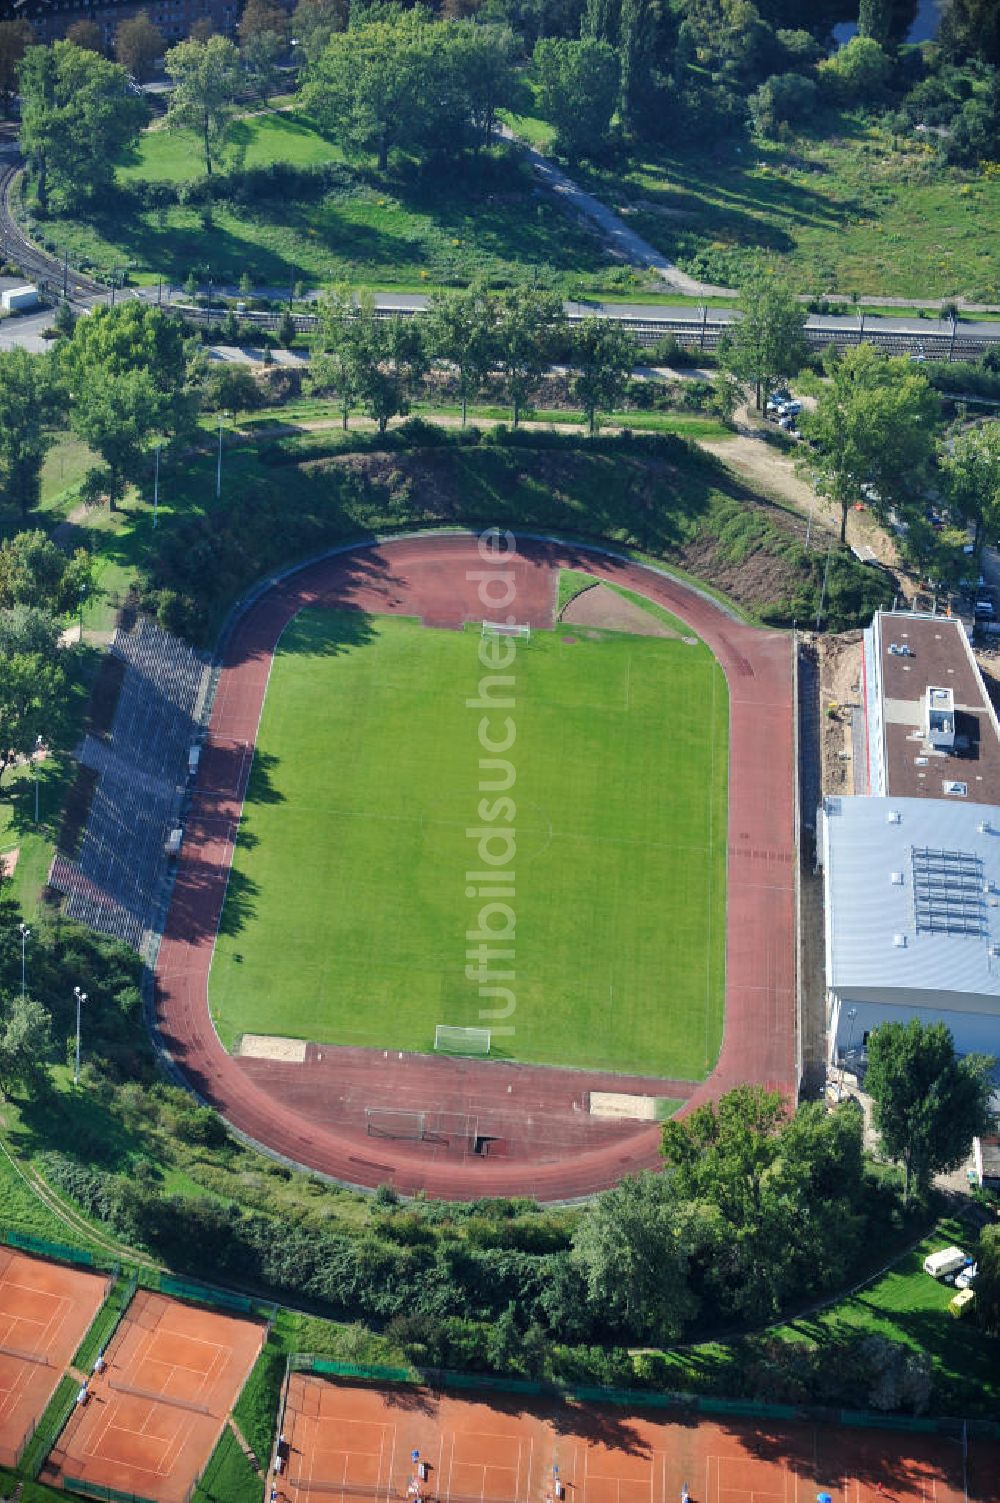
{"x": 334, "y": 954}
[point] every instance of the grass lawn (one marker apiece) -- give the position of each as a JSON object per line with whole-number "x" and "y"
{"x": 163, "y": 156}
{"x": 366, "y": 779}
{"x": 907, "y": 1305}
{"x": 385, "y": 230}
{"x": 851, "y": 209}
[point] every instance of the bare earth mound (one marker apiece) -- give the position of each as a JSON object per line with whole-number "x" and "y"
{"x": 603, "y": 606}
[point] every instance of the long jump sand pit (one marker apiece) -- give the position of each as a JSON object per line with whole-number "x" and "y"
{"x": 151, "y": 1422}
{"x": 355, "y": 1441}
{"x": 45, "y": 1311}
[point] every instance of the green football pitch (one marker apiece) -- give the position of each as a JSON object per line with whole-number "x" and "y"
{"x": 347, "y": 913}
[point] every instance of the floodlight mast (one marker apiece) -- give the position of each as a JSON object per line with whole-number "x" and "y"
{"x": 81, "y": 997}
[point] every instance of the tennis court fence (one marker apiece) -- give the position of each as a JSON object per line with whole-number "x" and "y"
{"x": 50, "y": 1426}
{"x": 204, "y": 1294}
{"x": 60, "y": 1251}
{"x": 97, "y": 1490}
{"x": 639, "y": 1398}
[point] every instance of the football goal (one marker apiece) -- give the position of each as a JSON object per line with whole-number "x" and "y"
{"x": 502, "y": 629}
{"x": 393, "y": 1122}
{"x": 452, "y": 1040}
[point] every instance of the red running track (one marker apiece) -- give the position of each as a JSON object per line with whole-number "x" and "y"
{"x": 546, "y": 1144}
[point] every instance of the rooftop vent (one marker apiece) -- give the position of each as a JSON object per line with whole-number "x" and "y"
{"x": 899, "y": 940}
{"x": 894, "y": 817}
{"x": 900, "y": 650}
{"x": 984, "y": 827}
{"x": 896, "y": 879}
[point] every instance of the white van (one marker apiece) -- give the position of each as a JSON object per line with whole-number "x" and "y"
{"x": 949, "y": 1260}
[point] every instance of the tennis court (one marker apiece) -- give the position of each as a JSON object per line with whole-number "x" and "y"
{"x": 45, "y": 1311}
{"x": 153, "y": 1416}
{"x": 355, "y": 1441}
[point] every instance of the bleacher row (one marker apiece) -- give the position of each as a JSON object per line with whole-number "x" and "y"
{"x": 142, "y": 771}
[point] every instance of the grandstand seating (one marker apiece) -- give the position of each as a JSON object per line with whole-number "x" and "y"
{"x": 115, "y": 882}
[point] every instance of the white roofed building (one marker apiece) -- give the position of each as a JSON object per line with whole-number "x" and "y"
{"x": 912, "y": 917}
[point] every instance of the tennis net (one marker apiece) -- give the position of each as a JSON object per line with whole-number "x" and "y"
{"x": 158, "y": 1398}
{"x": 15, "y": 1351}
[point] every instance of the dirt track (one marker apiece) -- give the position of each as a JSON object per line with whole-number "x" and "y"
{"x": 314, "y": 1114}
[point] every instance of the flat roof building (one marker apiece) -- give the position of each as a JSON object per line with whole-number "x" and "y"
{"x": 931, "y": 729}
{"x": 912, "y": 917}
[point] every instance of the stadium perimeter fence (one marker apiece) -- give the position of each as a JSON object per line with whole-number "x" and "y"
{"x": 641, "y": 1398}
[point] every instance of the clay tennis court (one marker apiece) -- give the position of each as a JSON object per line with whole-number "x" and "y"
{"x": 357, "y": 1441}
{"x": 314, "y": 1112}
{"x": 154, "y": 1415}
{"x": 45, "y": 1312}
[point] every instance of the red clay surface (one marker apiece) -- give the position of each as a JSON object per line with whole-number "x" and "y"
{"x": 357, "y": 1442}
{"x": 546, "y": 1144}
{"x": 143, "y": 1444}
{"x": 45, "y": 1312}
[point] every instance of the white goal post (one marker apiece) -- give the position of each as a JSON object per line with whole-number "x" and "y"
{"x": 453, "y": 1040}
{"x": 503, "y": 629}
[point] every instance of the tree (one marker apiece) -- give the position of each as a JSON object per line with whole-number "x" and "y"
{"x": 971, "y": 29}
{"x": 33, "y": 694}
{"x": 15, "y": 39}
{"x": 391, "y": 83}
{"x": 78, "y": 113}
{"x": 336, "y": 348}
{"x": 486, "y": 59}
{"x": 858, "y": 71}
{"x": 635, "y": 56}
{"x": 988, "y": 1279}
{"x": 30, "y": 408}
{"x": 263, "y": 33}
{"x": 461, "y": 330}
{"x": 36, "y": 573}
{"x": 314, "y": 23}
{"x": 207, "y": 80}
{"x": 578, "y": 84}
{"x": 364, "y": 358}
{"x": 927, "y": 1103}
{"x": 777, "y": 1195}
{"x": 86, "y": 34}
{"x": 781, "y": 98}
{"x": 873, "y": 426}
{"x": 974, "y": 136}
{"x": 127, "y": 369}
{"x": 527, "y": 322}
{"x": 25, "y": 1044}
{"x": 875, "y": 20}
{"x": 138, "y": 44}
{"x": 603, "y": 353}
{"x": 632, "y": 1249}
{"x": 766, "y": 344}
{"x": 389, "y": 359}
{"x": 970, "y": 463}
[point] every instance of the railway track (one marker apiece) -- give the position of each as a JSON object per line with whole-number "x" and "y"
{"x": 701, "y": 328}
{"x": 45, "y": 270}
{"x": 703, "y": 334}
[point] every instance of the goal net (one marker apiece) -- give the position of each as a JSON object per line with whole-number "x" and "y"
{"x": 393, "y": 1122}
{"x": 451, "y": 1040}
{"x": 502, "y": 629}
